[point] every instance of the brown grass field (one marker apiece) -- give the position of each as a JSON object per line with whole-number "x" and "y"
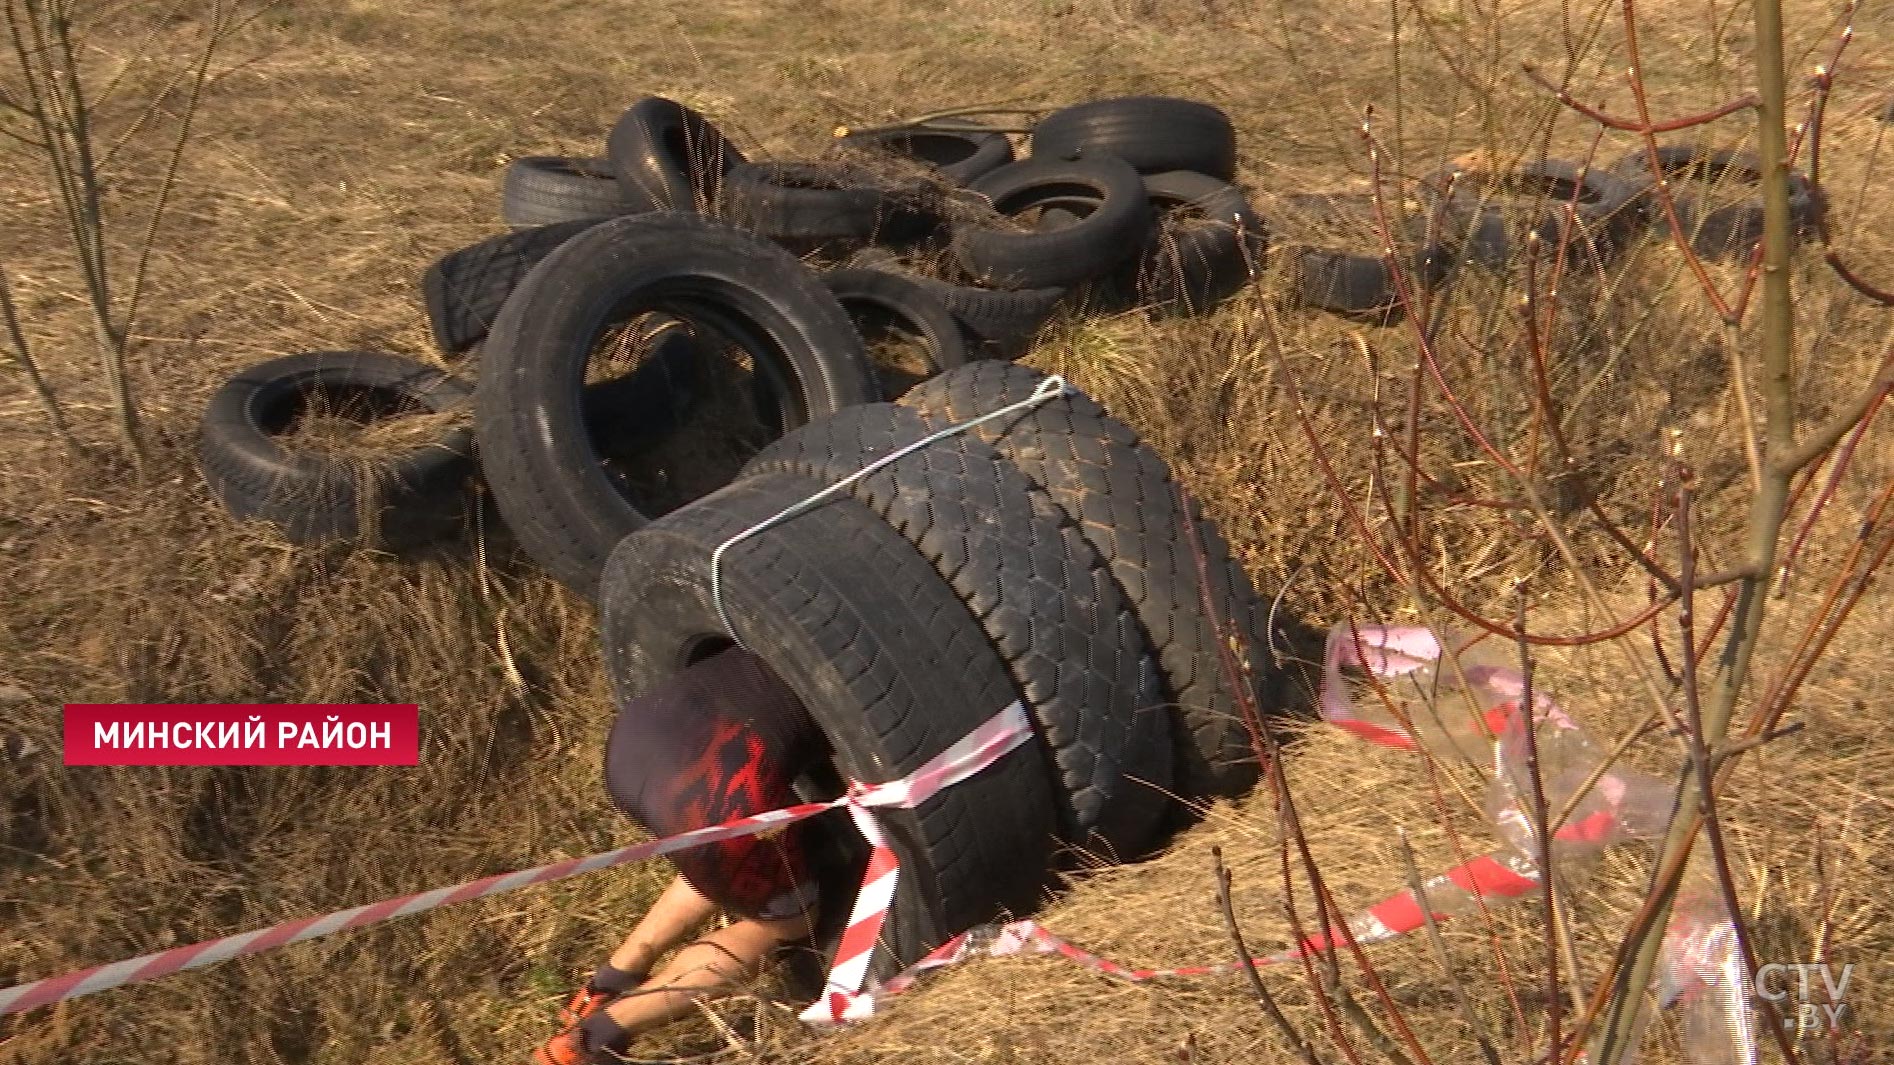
{"x": 342, "y": 145}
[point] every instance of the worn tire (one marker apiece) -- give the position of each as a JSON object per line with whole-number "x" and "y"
{"x": 879, "y": 302}
{"x": 402, "y": 500}
{"x": 1154, "y": 134}
{"x": 540, "y": 462}
{"x": 823, "y": 206}
{"x": 888, "y": 662}
{"x": 1351, "y": 283}
{"x": 668, "y": 157}
{"x": 999, "y": 324}
{"x": 637, "y": 409}
{"x": 1045, "y": 599}
{"x": 1207, "y": 245}
{"x": 1127, "y": 505}
{"x": 465, "y": 289}
{"x": 959, "y": 155}
{"x": 1113, "y": 229}
{"x": 1716, "y": 230}
{"x": 540, "y": 190}
{"x": 1606, "y": 215}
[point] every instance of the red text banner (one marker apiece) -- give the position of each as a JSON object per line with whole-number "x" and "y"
{"x": 241, "y": 734}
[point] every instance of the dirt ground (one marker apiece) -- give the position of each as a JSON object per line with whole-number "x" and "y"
{"x": 342, "y": 146}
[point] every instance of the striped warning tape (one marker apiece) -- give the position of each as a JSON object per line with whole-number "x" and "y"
{"x": 848, "y": 995}
{"x": 982, "y": 747}
{"x": 844, "y": 995}
{"x": 1497, "y": 877}
{"x": 1623, "y": 804}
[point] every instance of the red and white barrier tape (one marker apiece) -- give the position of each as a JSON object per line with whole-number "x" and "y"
{"x": 1488, "y": 876}
{"x": 1477, "y": 704}
{"x": 979, "y": 749}
{"x": 1621, "y": 804}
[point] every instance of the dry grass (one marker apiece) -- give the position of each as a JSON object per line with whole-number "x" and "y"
{"x": 351, "y": 428}
{"x": 346, "y": 145}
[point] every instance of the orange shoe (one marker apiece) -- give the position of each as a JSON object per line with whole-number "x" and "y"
{"x": 568, "y": 1048}
{"x": 585, "y": 1002}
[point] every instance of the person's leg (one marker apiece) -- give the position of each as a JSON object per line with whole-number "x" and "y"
{"x": 679, "y": 911}
{"x": 712, "y": 964}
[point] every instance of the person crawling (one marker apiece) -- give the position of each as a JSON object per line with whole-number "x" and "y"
{"x": 721, "y": 739}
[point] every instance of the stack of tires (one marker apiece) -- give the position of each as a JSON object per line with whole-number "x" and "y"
{"x": 797, "y": 269}
{"x": 1045, "y": 557}
{"x": 800, "y": 270}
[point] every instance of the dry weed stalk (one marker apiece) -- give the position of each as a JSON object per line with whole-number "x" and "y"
{"x": 56, "y": 98}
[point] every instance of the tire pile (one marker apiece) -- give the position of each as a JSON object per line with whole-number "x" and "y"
{"x": 793, "y": 267}
{"x": 1047, "y": 557}
{"x": 935, "y": 231}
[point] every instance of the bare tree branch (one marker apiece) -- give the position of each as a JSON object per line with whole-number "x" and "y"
{"x": 23, "y": 356}
{"x": 1263, "y": 998}
{"x": 1640, "y": 125}
{"x": 1829, "y": 433}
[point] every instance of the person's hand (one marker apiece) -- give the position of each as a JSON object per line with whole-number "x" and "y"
{"x": 585, "y": 1002}
{"x": 606, "y": 984}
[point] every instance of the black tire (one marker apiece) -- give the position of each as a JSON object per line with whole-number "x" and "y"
{"x": 636, "y": 409}
{"x": 465, "y": 289}
{"x": 997, "y": 323}
{"x": 541, "y": 465}
{"x": 1494, "y": 233}
{"x": 1155, "y": 134}
{"x": 540, "y": 190}
{"x": 404, "y": 499}
{"x": 879, "y": 302}
{"x": 822, "y": 206}
{"x": 960, "y": 155}
{"x": 1113, "y": 229}
{"x": 1043, "y": 597}
{"x": 1717, "y": 228}
{"x": 1127, "y": 505}
{"x": 1355, "y": 284}
{"x": 668, "y": 157}
{"x": 891, "y": 666}
{"x": 1057, "y": 217}
{"x": 1207, "y": 245}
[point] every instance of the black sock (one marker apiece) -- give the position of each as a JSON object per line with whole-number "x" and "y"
{"x": 614, "y": 980}
{"x": 603, "y": 1033}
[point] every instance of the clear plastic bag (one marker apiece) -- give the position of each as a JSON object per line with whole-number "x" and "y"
{"x": 1407, "y": 687}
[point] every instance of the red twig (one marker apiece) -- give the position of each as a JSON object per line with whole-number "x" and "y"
{"x": 1843, "y": 456}
{"x": 1823, "y": 83}
{"x": 1662, "y": 180}
{"x": 1264, "y": 746}
{"x": 1535, "y": 350}
{"x": 1320, "y": 453}
{"x": 1397, "y": 275}
{"x": 1855, "y": 281}
{"x": 1700, "y": 755}
{"x": 1642, "y": 124}
{"x": 1541, "y": 831}
{"x": 1411, "y": 459}
{"x": 1843, "y": 592}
